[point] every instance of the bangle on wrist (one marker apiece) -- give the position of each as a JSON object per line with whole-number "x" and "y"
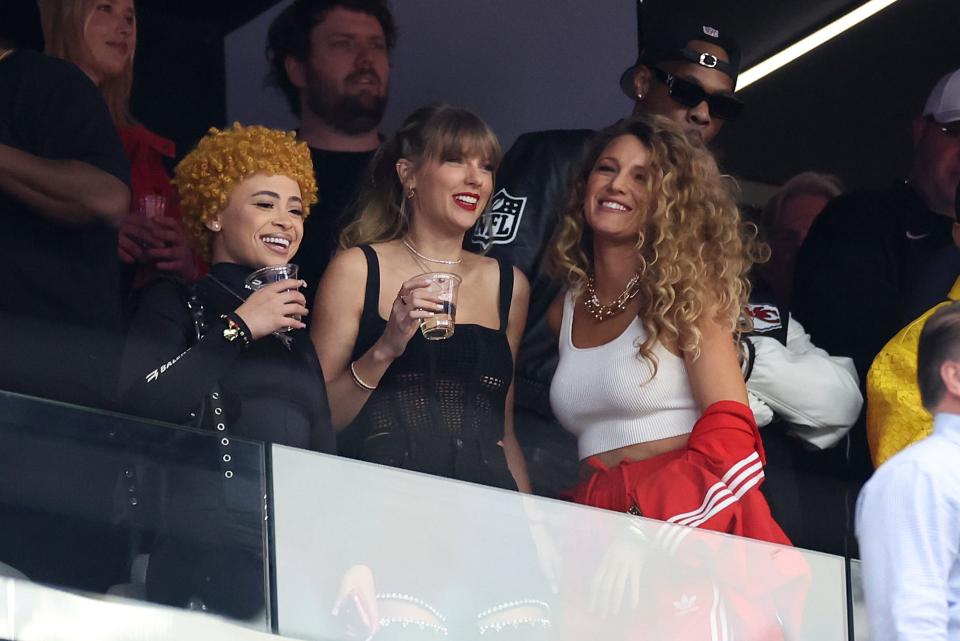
{"x": 359, "y": 382}
{"x": 236, "y": 329}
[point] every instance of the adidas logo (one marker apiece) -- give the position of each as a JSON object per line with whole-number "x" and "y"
{"x": 685, "y": 605}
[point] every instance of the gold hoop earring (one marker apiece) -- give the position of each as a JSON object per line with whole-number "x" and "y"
{"x": 215, "y": 226}
{"x": 411, "y": 193}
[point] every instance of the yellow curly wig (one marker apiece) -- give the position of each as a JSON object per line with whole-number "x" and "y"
{"x": 224, "y": 159}
{"x": 693, "y": 251}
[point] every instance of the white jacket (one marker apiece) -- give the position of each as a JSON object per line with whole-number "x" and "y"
{"x": 817, "y": 393}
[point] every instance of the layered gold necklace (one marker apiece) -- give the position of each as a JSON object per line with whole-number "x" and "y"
{"x": 602, "y": 312}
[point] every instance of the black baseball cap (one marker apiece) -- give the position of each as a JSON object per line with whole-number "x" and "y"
{"x": 668, "y": 42}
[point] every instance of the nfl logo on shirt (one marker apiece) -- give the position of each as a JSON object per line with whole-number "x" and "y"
{"x": 504, "y": 220}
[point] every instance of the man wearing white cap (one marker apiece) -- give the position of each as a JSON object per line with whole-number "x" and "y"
{"x": 868, "y": 252}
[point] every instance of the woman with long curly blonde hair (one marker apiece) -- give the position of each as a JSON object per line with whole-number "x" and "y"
{"x": 100, "y": 37}
{"x": 655, "y": 259}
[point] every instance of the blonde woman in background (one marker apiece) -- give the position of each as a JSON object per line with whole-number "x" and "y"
{"x": 100, "y": 37}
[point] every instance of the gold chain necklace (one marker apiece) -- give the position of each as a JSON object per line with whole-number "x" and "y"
{"x": 602, "y": 312}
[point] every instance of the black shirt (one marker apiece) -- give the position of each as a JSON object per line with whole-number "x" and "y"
{"x": 270, "y": 393}
{"x": 338, "y": 175}
{"x": 859, "y": 267}
{"x": 60, "y": 312}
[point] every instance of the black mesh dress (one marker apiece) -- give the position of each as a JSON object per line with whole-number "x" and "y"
{"x": 439, "y": 408}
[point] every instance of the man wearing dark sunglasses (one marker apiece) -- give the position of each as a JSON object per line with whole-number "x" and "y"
{"x": 687, "y": 74}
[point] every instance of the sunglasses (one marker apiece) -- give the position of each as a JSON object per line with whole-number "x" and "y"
{"x": 690, "y": 94}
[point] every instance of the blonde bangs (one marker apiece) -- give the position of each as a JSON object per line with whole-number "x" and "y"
{"x": 460, "y": 134}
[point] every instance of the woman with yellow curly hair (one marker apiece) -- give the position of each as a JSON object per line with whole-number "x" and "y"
{"x": 244, "y": 193}
{"x": 652, "y": 252}
{"x": 216, "y": 355}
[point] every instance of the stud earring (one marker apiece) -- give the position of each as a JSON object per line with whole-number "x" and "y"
{"x": 215, "y": 225}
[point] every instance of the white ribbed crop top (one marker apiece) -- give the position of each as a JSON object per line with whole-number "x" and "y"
{"x": 602, "y": 395}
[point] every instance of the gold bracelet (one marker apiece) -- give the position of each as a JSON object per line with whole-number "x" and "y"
{"x": 359, "y": 381}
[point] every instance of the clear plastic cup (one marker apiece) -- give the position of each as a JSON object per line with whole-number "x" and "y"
{"x": 442, "y": 324}
{"x": 152, "y": 206}
{"x": 265, "y": 276}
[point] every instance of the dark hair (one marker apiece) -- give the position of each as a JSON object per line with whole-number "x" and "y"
{"x": 435, "y": 132}
{"x": 289, "y": 36}
{"x": 939, "y": 342}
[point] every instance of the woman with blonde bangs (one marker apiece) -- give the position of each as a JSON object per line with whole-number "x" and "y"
{"x": 442, "y": 407}
{"x": 439, "y": 406}
{"x": 654, "y": 257}
{"x": 100, "y": 37}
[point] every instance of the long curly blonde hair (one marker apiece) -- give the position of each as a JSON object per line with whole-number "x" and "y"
{"x": 224, "y": 159}
{"x": 435, "y": 132}
{"x": 692, "y": 251}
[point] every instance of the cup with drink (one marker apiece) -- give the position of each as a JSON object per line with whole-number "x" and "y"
{"x": 444, "y": 285}
{"x": 152, "y": 206}
{"x": 265, "y": 276}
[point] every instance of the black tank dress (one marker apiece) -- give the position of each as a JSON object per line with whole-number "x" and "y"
{"x": 439, "y": 408}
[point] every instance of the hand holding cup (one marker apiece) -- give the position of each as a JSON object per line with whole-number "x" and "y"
{"x": 416, "y": 300}
{"x": 276, "y": 307}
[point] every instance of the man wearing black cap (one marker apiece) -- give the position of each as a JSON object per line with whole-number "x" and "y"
{"x": 687, "y": 72}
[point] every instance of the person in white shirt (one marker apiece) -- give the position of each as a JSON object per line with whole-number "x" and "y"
{"x": 908, "y": 515}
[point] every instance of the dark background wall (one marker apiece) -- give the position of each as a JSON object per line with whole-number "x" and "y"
{"x": 846, "y": 107}
{"x": 522, "y": 65}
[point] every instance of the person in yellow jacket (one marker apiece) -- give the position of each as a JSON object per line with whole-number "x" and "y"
{"x": 895, "y": 416}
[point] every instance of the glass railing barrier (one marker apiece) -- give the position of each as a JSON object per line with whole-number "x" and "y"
{"x": 33, "y": 612}
{"x": 106, "y": 503}
{"x": 363, "y": 549}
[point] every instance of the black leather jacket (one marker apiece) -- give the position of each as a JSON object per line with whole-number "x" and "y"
{"x": 532, "y": 185}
